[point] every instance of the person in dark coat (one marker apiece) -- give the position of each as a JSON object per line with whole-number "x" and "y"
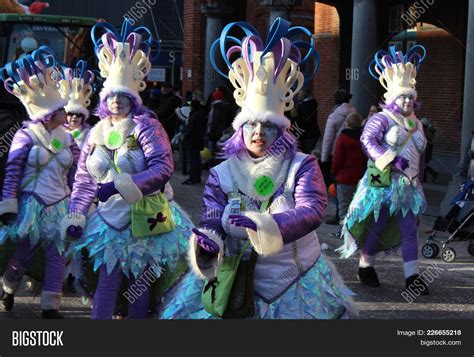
{"x": 220, "y": 117}
{"x": 307, "y": 119}
{"x": 349, "y": 162}
{"x": 166, "y": 110}
{"x": 430, "y": 131}
{"x": 193, "y": 138}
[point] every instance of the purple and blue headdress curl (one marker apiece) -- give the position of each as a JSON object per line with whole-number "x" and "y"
{"x": 77, "y": 85}
{"x": 34, "y": 79}
{"x": 124, "y": 57}
{"x": 397, "y": 71}
{"x": 278, "y": 42}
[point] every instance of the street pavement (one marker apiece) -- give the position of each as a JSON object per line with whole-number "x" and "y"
{"x": 451, "y": 291}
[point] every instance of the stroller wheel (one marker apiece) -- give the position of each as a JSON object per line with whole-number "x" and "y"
{"x": 448, "y": 255}
{"x": 470, "y": 248}
{"x": 430, "y": 250}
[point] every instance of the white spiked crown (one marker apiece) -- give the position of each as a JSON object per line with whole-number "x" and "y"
{"x": 265, "y": 78}
{"x": 34, "y": 79}
{"x": 397, "y": 72}
{"x": 123, "y": 58}
{"x": 76, "y": 86}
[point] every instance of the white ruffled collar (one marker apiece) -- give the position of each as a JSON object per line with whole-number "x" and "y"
{"x": 54, "y": 141}
{"x": 248, "y": 173}
{"x": 112, "y": 135}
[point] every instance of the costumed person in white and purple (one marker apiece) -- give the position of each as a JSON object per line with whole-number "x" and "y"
{"x": 78, "y": 90}
{"x": 265, "y": 193}
{"x": 76, "y": 87}
{"x": 39, "y": 174}
{"x": 125, "y": 163}
{"x": 384, "y": 210}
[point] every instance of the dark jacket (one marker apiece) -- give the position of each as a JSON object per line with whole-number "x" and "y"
{"x": 195, "y": 129}
{"x": 220, "y": 118}
{"x": 307, "y": 118}
{"x": 166, "y": 113}
{"x": 349, "y": 162}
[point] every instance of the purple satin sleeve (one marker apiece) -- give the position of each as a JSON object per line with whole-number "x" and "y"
{"x": 85, "y": 186}
{"x": 17, "y": 157}
{"x": 76, "y": 152}
{"x": 213, "y": 203}
{"x": 372, "y": 136}
{"x": 158, "y": 157}
{"x": 310, "y": 203}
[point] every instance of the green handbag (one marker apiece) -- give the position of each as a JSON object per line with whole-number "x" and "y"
{"x": 378, "y": 178}
{"x": 152, "y": 215}
{"x": 230, "y": 295}
{"x": 216, "y": 293}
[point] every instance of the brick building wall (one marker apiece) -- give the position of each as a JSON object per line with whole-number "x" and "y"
{"x": 326, "y": 26}
{"x": 193, "y": 46}
{"x": 441, "y": 78}
{"x": 440, "y": 87}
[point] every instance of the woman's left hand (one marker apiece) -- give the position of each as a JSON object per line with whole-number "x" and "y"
{"x": 106, "y": 190}
{"x": 242, "y": 221}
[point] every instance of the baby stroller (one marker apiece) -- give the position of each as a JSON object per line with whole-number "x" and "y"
{"x": 459, "y": 229}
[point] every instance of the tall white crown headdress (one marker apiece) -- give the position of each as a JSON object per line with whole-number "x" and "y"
{"x": 265, "y": 77}
{"x": 76, "y": 86}
{"x": 397, "y": 72}
{"x": 123, "y": 58}
{"x": 34, "y": 79}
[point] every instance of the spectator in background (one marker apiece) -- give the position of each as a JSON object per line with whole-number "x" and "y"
{"x": 373, "y": 110}
{"x": 178, "y": 140}
{"x": 466, "y": 167}
{"x": 220, "y": 118}
{"x": 349, "y": 163}
{"x": 166, "y": 110}
{"x": 307, "y": 119}
{"x": 153, "y": 101}
{"x": 193, "y": 138}
{"x": 430, "y": 131}
{"x": 334, "y": 125}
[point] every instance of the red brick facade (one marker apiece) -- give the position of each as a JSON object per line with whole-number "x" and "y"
{"x": 193, "y": 46}
{"x": 326, "y": 24}
{"x": 440, "y": 87}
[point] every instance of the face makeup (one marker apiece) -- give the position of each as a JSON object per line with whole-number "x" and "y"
{"x": 119, "y": 104}
{"x": 406, "y": 104}
{"x": 259, "y": 136}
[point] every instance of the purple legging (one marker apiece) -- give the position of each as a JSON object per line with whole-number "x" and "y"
{"x": 54, "y": 270}
{"x": 105, "y": 297}
{"x": 408, "y": 232}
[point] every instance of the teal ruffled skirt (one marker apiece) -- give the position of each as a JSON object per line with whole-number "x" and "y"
{"x": 111, "y": 247}
{"x": 37, "y": 222}
{"x": 318, "y": 294}
{"x": 401, "y": 197}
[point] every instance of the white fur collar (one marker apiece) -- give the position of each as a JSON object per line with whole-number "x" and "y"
{"x": 54, "y": 141}
{"x": 401, "y": 120}
{"x": 246, "y": 170}
{"x": 101, "y": 131}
